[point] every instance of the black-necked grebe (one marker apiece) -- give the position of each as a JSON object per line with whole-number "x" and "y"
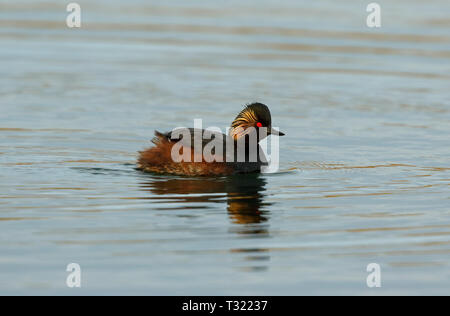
{"x": 252, "y": 118}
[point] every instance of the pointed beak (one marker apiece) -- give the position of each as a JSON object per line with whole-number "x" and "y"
{"x": 275, "y": 132}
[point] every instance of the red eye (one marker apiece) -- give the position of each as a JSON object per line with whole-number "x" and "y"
{"x": 259, "y": 124}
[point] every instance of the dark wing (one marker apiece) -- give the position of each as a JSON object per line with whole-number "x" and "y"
{"x": 187, "y": 136}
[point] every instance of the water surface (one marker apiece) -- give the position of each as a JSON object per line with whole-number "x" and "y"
{"x": 364, "y": 174}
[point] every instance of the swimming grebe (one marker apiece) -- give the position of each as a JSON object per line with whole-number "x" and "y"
{"x": 250, "y": 121}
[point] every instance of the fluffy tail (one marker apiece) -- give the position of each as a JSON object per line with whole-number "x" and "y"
{"x": 159, "y": 138}
{"x": 157, "y": 157}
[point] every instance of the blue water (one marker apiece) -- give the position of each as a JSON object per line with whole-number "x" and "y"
{"x": 364, "y": 166}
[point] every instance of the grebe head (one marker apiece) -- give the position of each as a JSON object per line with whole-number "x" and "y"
{"x": 253, "y": 117}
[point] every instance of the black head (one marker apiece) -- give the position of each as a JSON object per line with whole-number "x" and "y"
{"x": 256, "y": 115}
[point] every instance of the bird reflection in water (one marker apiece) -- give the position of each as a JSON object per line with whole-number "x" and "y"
{"x": 244, "y": 197}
